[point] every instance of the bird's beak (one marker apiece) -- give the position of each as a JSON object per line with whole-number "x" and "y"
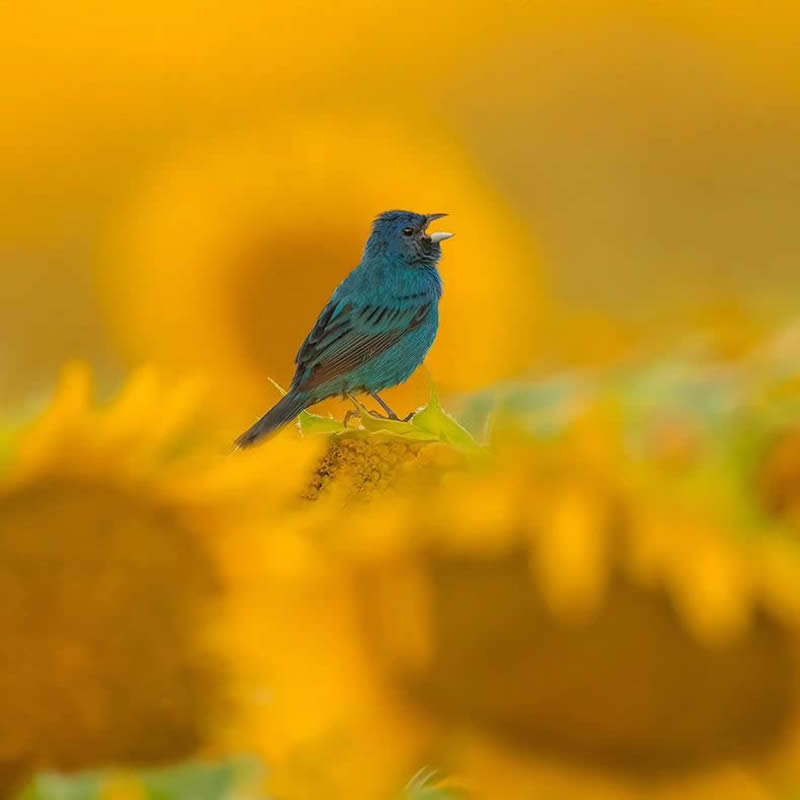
{"x": 439, "y": 236}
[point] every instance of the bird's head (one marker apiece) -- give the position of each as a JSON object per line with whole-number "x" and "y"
{"x": 402, "y": 236}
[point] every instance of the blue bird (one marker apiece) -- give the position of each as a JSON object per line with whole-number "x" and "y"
{"x": 378, "y": 326}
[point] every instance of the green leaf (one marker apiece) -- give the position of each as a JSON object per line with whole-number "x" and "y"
{"x": 316, "y": 424}
{"x": 544, "y": 406}
{"x": 434, "y": 420}
{"x": 406, "y": 430}
{"x": 430, "y": 424}
{"x": 199, "y": 781}
{"x": 427, "y": 785}
{"x": 222, "y": 780}
{"x": 54, "y": 786}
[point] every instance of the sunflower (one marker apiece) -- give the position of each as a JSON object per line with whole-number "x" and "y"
{"x": 124, "y": 541}
{"x": 609, "y": 609}
{"x": 228, "y": 253}
{"x": 380, "y": 454}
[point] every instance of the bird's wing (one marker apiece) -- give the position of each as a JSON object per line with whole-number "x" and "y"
{"x": 348, "y": 334}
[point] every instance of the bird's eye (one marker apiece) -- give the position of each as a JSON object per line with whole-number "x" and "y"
{"x": 408, "y": 231}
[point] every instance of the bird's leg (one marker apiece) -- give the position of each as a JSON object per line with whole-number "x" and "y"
{"x": 361, "y": 408}
{"x": 390, "y": 414}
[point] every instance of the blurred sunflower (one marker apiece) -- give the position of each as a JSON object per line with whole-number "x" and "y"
{"x": 230, "y": 252}
{"x": 597, "y": 613}
{"x": 124, "y": 606}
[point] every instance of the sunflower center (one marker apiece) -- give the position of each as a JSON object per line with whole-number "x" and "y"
{"x": 104, "y": 594}
{"x": 368, "y": 465}
{"x": 279, "y": 286}
{"x": 632, "y": 691}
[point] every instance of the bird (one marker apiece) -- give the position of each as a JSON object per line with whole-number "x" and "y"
{"x": 377, "y": 327}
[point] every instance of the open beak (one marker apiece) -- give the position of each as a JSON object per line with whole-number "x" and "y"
{"x": 439, "y": 236}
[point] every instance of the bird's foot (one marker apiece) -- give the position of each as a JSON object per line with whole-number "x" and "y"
{"x": 385, "y": 406}
{"x": 378, "y": 415}
{"x": 353, "y": 414}
{"x": 349, "y": 415}
{"x": 393, "y": 417}
{"x": 361, "y": 409}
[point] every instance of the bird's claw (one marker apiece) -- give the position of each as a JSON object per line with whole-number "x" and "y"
{"x": 349, "y": 415}
{"x": 360, "y": 409}
{"x": 392, "y": 417}
{"x": 378, "y": 415}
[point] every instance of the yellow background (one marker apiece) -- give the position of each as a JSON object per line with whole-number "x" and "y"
{"x": 636, "y": 160}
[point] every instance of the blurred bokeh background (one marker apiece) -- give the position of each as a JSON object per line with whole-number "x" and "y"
{"x": 184, "y": 183}
{"x": 181, "y": 179}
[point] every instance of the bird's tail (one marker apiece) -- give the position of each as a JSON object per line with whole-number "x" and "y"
{"x": 285, "y": 410}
